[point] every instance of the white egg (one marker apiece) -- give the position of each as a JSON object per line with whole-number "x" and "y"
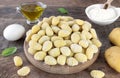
{"x": 13, "y": 32}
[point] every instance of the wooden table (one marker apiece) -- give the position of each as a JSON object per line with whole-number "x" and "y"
{"x": 8, "y": 16}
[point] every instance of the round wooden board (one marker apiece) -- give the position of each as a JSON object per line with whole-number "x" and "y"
{"x": 58, "y": 69}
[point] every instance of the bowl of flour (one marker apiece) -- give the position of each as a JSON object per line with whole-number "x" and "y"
{"x": 101, "y": 16}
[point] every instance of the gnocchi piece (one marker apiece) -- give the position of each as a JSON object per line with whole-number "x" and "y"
{"x": 97, "y": 74}
{"x": 96, "y": 42}
{"x": 72, "y": 61}
{"x": 66, "y": 18}
{"x": 62, "y": 22}
{"x": 50, "y": 60}
{"x": 44, "y": 25}
{"x": 55, "y": 29}
{"x": 49, "y": 31}
{"x": 43, "y": 39}
{"x": 46, "y": 20}
{"x": 54, "y": 52}
{"x": 28, "y": 35}
{"x": 40, "y": 55}
{"x": 84, "y": 43}
{"x": 35, "y": 29}
{"x": 68, "y": 42}
{"x": 89, "y": 54}
{"x": 64, "y": 33}
{"x": 82, "y": 36}
{"x": 35, "y": 37}
{"x": 39, "y": 23}
{"x": 54, "y": 38}
{"x": 86, "y": 26}
{"x": 66, "y": 27}
{"x": 71, "y": 23}
{"x": 55, "y": 20}
{"x": 51, "y": 17}
{"x": 24, "y": 71}
{"x": 75, "y": 38}
{"x": 18, "y": 61}
{"x": 93, "y": 32}
{"x": 81, "y": 57}
{"x": 59, "y": 43}
{"x": 47, "y": 45}
{"x": 37, "y": 46}
{"x": 65, "y": 51}
{"x": 31, "y": 51}
{"x": 76, "y": 48}
{"x": 41, "y": 33}
{"x": 93, "y": 48}
{"x": 87, "y": 34}
{"x": 32, "y": 43}
{"x": 61, "y": 59}
{"x": 79, "y": 22}
{"x": 75, "y": 27}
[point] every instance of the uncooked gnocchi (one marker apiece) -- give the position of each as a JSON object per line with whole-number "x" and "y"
{"x": 49, "y": 31}
{"x": 35, "y": 29}
{"x": 72, "y": 61}
{"x": 54, "y": 52}
{"x": 76, "y": 48}
{"x": 75, "y": 27}
{"x": 65, "y": 51}
{"x": 18, "y": 61}
{"x": 41, "y": 33}
{"x": 55, "y": 29}
{"x": 84, "y": 43}
{"x": 35, "y": 37}
{"x": 44, "y": 25}
{"x": 24, "y": 71}
{"x": 61, "y": 59}
{"x": 75, "y": 38}
{"x": 50, "y": 60}
{"x": 43, "y": 39}
{"x": 81, "y": 57}
{"x": 40, "y": 55}
{"x": 79, "y": 22}
{"x": 55, "y": 20}
{"x": 47, "y": 45}
{"x": 62, "y": 40}
{"x": 96, "y": 42}
{"x": 97, "y": 74}
{"x": 59, "y": 43}
{"x": 64, "y": 33}
{"x": 86, "y": 26}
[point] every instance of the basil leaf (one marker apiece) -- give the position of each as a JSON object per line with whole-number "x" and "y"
{"x": 9, "y": 51}
{"x": 63, "y": 10}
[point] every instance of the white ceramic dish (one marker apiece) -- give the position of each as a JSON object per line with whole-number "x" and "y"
{"x": 105, "y": 22}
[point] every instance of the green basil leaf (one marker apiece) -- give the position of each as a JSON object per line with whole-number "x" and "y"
{"x": 63, "y": 10}
{"x": 9, "y": 51}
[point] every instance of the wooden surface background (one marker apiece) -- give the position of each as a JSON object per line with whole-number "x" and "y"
{"x": 76, "y": 9}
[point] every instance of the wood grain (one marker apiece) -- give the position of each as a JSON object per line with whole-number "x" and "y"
{"x": 8, "y": 16}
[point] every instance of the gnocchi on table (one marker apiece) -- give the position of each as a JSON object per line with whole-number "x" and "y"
{"x": 62, "y": 40}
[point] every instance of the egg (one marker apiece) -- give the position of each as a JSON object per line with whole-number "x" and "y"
{"x": 13, "y": 32}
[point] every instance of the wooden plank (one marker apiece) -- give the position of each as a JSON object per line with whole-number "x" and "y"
{"x": 8, "y": 70}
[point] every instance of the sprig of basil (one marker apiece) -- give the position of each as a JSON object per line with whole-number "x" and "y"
{"x": 63, "y": 10}
{"x": 9, "y": 51}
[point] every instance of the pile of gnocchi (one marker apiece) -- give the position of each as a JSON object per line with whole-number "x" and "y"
{"x": 62, "y": 40}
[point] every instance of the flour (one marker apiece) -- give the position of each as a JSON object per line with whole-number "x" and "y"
{"x": 99, "y": 14}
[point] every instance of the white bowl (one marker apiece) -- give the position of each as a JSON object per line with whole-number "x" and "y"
{"x": 105, "y": 22}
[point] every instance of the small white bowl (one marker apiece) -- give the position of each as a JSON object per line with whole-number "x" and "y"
{"x": 105, "y": 22}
